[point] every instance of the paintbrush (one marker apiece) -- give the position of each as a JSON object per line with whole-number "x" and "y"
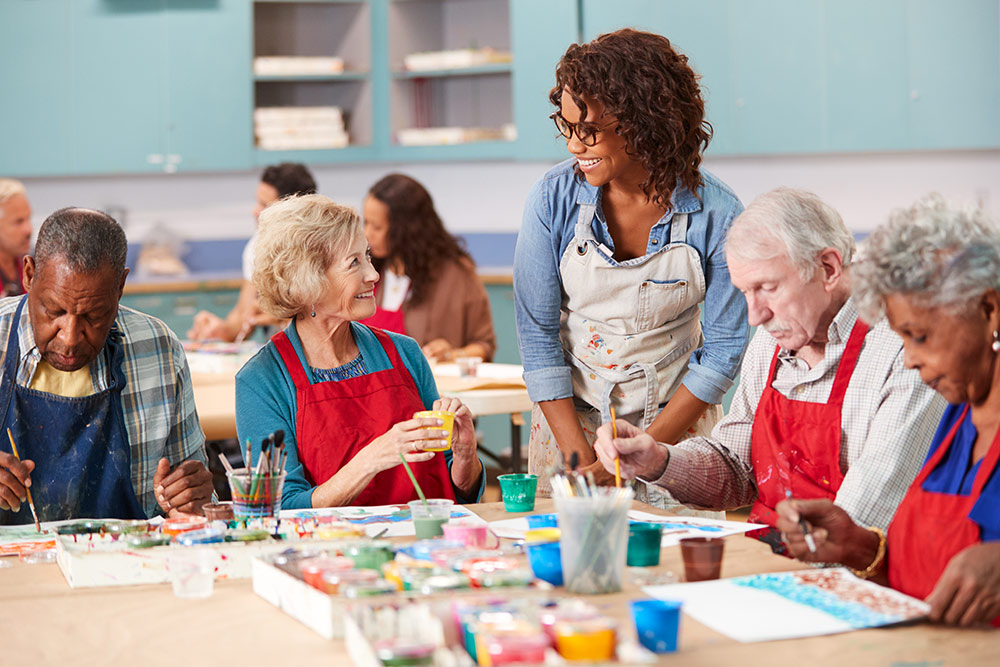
{"x": 31, "y": 503}
{"x": 810, "y": 542}
{"x": 420, "y": 492}
{"x": 618, "y": 462}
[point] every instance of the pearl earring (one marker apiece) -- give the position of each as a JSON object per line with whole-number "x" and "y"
{"x": 996, "y": 341}
{"x": 314, "y": 315}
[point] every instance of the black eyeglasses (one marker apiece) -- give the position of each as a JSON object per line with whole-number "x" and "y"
{"x": 585, "y": 132}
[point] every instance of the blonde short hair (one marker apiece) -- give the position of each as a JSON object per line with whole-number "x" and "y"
{"x": 9, "y": 188}
{"x": 297, "y": 241}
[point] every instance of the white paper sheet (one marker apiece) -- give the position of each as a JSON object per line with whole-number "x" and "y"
{"x": 795, "y": 608}
{"x": 674, "y": 527}
{"x": 393, "y": 519}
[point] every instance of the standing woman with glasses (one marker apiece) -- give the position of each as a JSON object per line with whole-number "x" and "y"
{"x": 620, "y": 247}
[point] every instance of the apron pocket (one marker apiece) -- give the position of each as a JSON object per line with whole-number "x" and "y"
{"x": 660, "y": 301}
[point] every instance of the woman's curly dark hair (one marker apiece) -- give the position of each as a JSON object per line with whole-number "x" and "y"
{"x": 653, "y": 93}
{"x": 417, "y": 236}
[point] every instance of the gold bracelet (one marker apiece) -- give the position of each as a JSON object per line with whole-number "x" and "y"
{"x": 879, "y": 555}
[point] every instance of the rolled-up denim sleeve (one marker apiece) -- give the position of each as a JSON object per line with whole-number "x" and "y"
{"x": 538, "y": 299}
{"x": 713, "y": 367}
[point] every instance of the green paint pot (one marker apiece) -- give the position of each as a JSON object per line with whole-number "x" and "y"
{"x": 644, "y": 544}
{"x": 518, "y": 492}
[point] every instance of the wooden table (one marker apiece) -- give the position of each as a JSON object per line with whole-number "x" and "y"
{"x": 44, "y": 622}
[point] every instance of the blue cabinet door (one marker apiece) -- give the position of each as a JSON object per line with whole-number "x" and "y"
{"x": 700, "y": 29}
{"x": 35, "y": 88}
{"x": 119, "y": 105}
{"x": 209, "y": 84}
{"x": 954, "y": 59}
{"x": 540, "y": 34}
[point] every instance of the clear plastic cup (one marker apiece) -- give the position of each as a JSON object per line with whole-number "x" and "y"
{"x": 192, "y": 572}
{"x": 255, "y": 495}
{"x": 430, "y": 516}
{"x": 468, "y": 367}
{"x": 594, "y": 540}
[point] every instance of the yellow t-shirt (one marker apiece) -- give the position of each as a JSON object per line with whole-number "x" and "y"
{"x": 72, "y": 384}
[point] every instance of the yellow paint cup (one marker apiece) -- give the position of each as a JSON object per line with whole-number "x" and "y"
{"x": 589, "y": 640}
{"x": 449, "y": 423}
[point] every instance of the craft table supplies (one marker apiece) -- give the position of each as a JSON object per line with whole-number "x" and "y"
{"x": 413, "y": 479}
{"x": 27, "y": 491}
{"x": 702, "y": 557}
{"x": 255, "y": 493}
{"x": 594, "y": 527}
{"x": 810, "y": 542}
{"x": 518, "y": 492}
{"x": 656, "y": 623}
{"x": 192, "y": 572}
{"x": 618, "y": 461}
{"x": 447, "y": 425}
{"x": 644, "y": 544}
{"x": 429, "y": 516}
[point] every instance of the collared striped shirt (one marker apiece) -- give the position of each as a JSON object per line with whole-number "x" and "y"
{"x": 157, "y": 400}
{"x": 888, "y": 420}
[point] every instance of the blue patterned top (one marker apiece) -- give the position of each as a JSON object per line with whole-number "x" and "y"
{"x": 352, "y": 369}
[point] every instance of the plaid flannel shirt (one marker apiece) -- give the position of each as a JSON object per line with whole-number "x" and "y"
{"x": 888, "y": 420}
{"x": 157, "y": 400}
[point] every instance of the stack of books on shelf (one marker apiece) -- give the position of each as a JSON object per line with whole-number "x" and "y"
{"x": 299, "y": 128}
{"x": 296, "y": 65}
{"x": 454, "y": 59}
{"x": 441, "y": 136}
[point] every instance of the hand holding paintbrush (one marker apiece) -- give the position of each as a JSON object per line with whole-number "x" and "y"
{"x": 26, "y": 481}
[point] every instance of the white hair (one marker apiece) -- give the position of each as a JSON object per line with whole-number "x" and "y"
{"x": 790, "y": 222}
{"x": 938, "y": 255}
{"x": 9, "y": 188}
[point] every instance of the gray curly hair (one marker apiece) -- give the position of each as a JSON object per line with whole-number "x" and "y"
{"x": 938, "y": 255}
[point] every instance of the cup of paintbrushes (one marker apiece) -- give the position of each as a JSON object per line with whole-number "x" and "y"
{"x": 255, "y": 494}
{"x": 594, "y": 539}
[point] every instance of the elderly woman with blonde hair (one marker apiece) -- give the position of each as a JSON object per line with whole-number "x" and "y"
{"x": 344, "y": 394}
{"x": 934, "y": 271}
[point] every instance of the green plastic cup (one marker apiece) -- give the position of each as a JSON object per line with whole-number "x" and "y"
{"x": 518, "y": 492}
{"x": 644, "y": 544}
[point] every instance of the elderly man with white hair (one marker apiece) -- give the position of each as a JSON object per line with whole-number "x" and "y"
{"x": 15, "y": 235}
{"x": 825, "y": 407}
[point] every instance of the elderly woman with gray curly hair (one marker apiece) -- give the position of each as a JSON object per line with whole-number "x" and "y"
{"x": 934, "y": 271}
{"x": 345, "y": 395}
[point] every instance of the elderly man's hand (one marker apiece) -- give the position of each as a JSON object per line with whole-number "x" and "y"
{"x": 639, "y": 453}
{"x": 837, "y": 538}
{"x": 14, "y": 480}
{"x": 968, "y": 592}
{"x": 184, "y": 489}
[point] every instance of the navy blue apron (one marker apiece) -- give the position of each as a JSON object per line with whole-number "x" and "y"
{"x": 79, "y": 445}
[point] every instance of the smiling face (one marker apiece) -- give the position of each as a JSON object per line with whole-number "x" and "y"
{"x": 71, "y": 312}
{"x": 952, "y": 353}
{"x": 377, "y": 226}
{"x": 606, "y": 160}
{"x": 352, "y": 281}
{"x": 794, "y": 311}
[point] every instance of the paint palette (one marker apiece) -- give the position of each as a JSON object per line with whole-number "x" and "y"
{"x": 785, "y": 605}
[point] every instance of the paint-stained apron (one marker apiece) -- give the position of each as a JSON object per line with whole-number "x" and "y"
{"x": 336, "y": 420}
{"x": 627, "y": 330}
{"x": 795, "y": 445}
{"x": 79, "y": 445}
{"x": 930, "y": 528}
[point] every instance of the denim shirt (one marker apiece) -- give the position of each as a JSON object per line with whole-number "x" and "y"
{"x": 548, "y": 227}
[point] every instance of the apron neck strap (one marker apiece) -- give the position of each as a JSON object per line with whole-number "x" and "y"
{"x": 848, "y": 360}
{"x": 291, "y": 359}
{"x": 678, "y": 228}
{"x": 13, "y": 353}
{"x": 584, "y": 219}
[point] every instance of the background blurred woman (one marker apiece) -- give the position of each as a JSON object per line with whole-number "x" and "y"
{"x": 935, "y": 273}
{"x": 428, "y": 287}
{"x": 343, "y": 393}
{"x": 620, "y": 247}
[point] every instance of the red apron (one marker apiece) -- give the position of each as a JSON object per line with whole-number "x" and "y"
{"x": 390, "y": 320}
{"x": 795, "y": 445}
{"x": 336, "y": 420}
{"x": 930, "y": 528}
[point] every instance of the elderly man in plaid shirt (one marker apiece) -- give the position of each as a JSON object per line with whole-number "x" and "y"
{"x": 824, "y": 407}
{"x": 96, "y": 396}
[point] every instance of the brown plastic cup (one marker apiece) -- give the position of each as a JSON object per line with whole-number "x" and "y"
{"x": 702, "y": 557}
{"x": 218, "y": 511}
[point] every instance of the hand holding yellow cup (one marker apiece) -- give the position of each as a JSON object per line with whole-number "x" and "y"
{"x": 448, "y": 419}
